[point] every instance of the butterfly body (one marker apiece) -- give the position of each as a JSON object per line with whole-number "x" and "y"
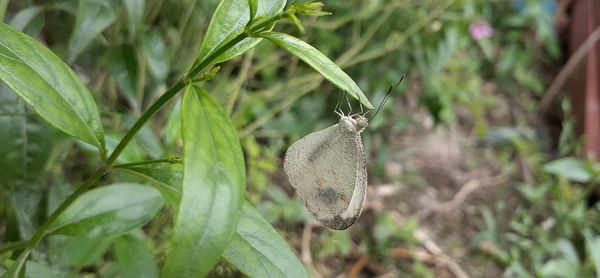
{"x": 328, "y": 170}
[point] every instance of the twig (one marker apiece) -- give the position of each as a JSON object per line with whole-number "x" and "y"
{"x": 433, "y": 248}
{"x": 306, "y": 235}
{"x": 568, "y": 69}
{"x": 459, "y": 198}
{"x": 358, "y": 266}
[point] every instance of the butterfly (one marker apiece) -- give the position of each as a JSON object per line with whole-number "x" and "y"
{"x": 328, "y": 170}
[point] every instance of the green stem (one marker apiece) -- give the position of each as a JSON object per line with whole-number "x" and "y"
{"x": 43, "y": 230}
{"x": 171, "y": 92}
{"x": 162, "y": 160}
{"x": 13, "y": 246}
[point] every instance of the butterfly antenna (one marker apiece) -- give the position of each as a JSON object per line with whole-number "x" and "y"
{"x": 337, "y": 106}
{"x": 387, "y": 95}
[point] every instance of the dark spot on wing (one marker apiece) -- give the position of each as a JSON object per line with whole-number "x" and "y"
{"x": 318, "y": 150}
{"x": 339, "y": 223}
{"x": 328, "y": 196}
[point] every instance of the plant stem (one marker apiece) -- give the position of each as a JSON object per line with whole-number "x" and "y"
{"x": 42, "y": 230}
{"x": 162, "y": 160}
{"x": 171, "y": 92}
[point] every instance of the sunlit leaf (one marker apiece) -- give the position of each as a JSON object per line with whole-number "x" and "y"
{"x": 229, "y": 20}
{"x": 135, "y": 15}
{"x": 155, "y": 52}
{"x": 319, "y": 62}
{"x": 570, "y": 168}
{"x": 213, "y": 187}
{"x": 49, "y": 86}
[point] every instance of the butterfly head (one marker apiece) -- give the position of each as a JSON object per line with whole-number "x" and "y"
{"x": 354, "y": 123}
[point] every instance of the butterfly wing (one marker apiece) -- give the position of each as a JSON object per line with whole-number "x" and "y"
{"x": 328, "y": 170}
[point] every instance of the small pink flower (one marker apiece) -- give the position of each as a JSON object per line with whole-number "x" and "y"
{"x": 480, "y": 30}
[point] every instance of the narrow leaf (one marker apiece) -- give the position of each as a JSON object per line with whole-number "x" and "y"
{"x": 155, "y": 52}
{"x": 319, "y": 62}
{"x": 25, "y": 16}
{"x": 49, "y": 86}
{"x": 135, "y": 15}
{"x": 259, "y": 251}
{"x": 123, "y": 66}
{"x": 109, "y": 211}
{"x": 92, "y": 18}
{"x": 134, "y": 257}
{"x": 213, "y": 187}
{"x": 593, "y": 246}
{"x": 229, "y": 20}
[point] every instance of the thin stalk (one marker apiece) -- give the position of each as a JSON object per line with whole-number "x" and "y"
{"x": 171, "y": 160}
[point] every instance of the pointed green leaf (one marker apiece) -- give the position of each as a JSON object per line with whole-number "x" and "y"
{"x": 134, "y": 257}
{"x": 570, "y": 168}
{"x": 259, "y": 251}
{"x": 213, "y": 187}
{"x": 229, "y": 20}
{"x": 93, "y": 17}
{"x": 109, "y": 211}
{"x": 319, "y": 62}
{"x": 49, "y": 86}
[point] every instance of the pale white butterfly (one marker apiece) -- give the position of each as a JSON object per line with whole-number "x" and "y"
{"x": 328, "y": 169}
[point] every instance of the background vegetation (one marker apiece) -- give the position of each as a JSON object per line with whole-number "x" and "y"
{"x": 463, "y": 178}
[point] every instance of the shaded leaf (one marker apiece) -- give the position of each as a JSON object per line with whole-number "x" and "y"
{"x": 93, "y": 17}
{"x": 123, "y": 67}
{"x": 109, "y": 211}
{"x": 28, "y": 144}
{"x": 49, "y": 86}
{"x": 593, "y": 246}
{"x": 319, "y": 62}
{"x": 134, "y": 257}
{"x": 135, "y": 15}
{"x": 259, "y": 251}
{"x": 168, "y": 182}
{"x": 213, "y": 187}
{"x": 228, "y": 21}
{"x": 25, "y": 17}
{"x": 155, "y": 53}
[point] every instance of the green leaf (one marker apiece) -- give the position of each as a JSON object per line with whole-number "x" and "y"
{"x": 135, "y": 15}
{"x": 569, "y": 168}
{"x": 168, "y": 182}
{"x": 76, "y": 252}
{"x": 40, "y": 270}
{"x": 28, "y": 143}
{"x": 92, "y": 18}
{"x": 213, "y": 187}
{"x": 593, "y": 246}
{"x": 49, "y": 86}
{"x": 253, "y": 6}
{"x": 228, "y": 21}
{"x": 123, "y": 66}
{"x": 319, "y": 62}
{"x": 256, "y": 247}
{"x": 155, "y": 52}
{"x": 259, "y": 251}
{"x": 25, "y": 16}
{"x": 109, "y": 211}
{"x": 134, "y": 257}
